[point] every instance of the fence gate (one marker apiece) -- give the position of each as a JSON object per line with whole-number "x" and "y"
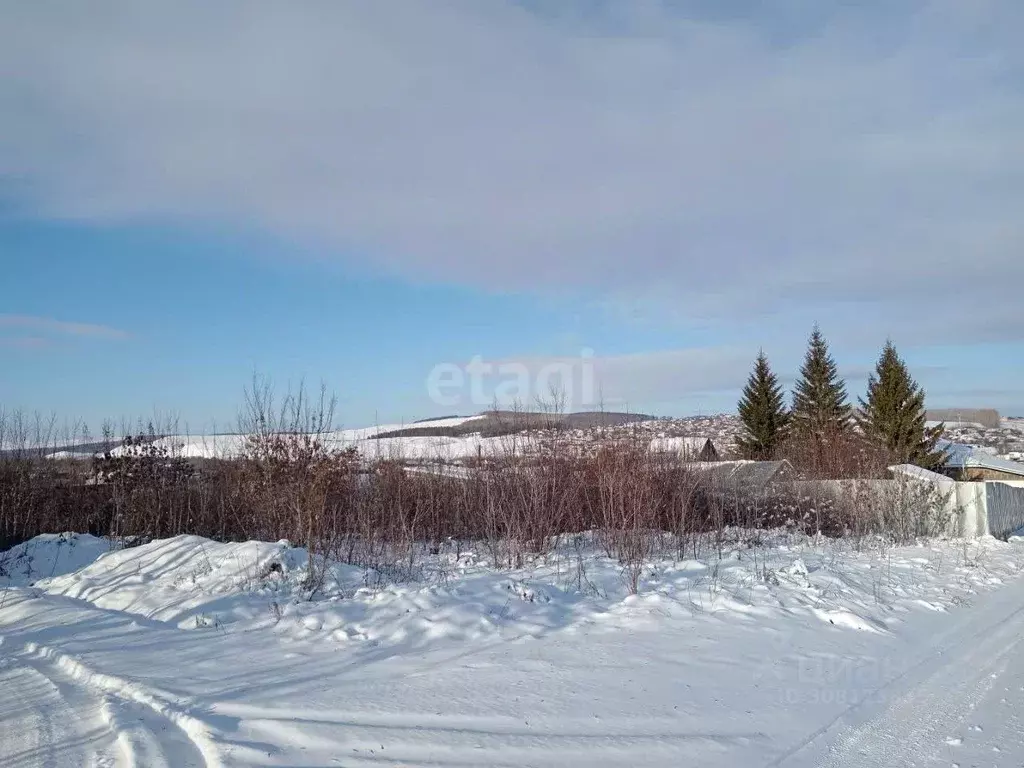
{"x": 1005, "y": 509}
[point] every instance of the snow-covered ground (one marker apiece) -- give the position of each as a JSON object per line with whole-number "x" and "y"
{"x": 787, "y": 652}
{"x": 227, "y": 446}
{"x": 49, "y": 555}
{"x": 369, "y": 442}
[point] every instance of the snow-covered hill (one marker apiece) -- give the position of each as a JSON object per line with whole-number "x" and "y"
{"x": 462, "y": 438}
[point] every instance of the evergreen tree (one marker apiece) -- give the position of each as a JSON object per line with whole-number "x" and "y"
{"x": 763, "y": 413}
{"x": 893, "y": 415}
{"x": 819, "y": 397}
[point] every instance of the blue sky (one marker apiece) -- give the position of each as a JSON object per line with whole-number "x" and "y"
{"x": 354, "y": 196}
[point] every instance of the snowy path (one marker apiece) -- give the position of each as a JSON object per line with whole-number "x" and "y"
{"x": 960, "y": 704}
{"x": 50, "y": 724}
{"x": 795, "y": 676}
{"x": 55, "y": 712}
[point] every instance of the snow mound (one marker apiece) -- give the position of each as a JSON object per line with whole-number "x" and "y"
{"x": 182, "y": 580}
{"x": 49, "y": 555}
{"x": 452, "y": 596}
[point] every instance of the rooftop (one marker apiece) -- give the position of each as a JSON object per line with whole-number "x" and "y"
{"x": 963, "y": 456}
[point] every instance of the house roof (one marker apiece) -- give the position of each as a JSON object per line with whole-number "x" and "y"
{"x": 755, "y": 474}
{"x": 963, "y": 456}
{"x": 955, "y": 455}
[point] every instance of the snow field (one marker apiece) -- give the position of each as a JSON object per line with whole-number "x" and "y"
{"x": 767, "y": 649}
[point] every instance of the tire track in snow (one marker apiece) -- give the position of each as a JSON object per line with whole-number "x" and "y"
{"x": 152, "y": 729}
{"x": 45, "y": 724}
{"x": 915, "y": 728}
{"x": 931, "y": 697}
{"x": 146, "y": 739}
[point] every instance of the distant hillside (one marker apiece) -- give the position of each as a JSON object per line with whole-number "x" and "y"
{"x": 509, "y": 422}
{"x": 986, "y": 417}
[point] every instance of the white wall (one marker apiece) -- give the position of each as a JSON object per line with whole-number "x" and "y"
{"x": 966, "y": 503}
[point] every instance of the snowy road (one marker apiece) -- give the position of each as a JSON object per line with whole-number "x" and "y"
{"x": 960, "y": 705}
{"x": 53, "y": 718}
{"x": 759, "y": 683}
{"x": 55, "y": 712}
{"x": 49, "y": 723}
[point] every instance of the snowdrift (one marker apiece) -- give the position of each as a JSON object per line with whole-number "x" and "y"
{"x": 194, "y": 583}
{"x": 49, "y": 555}
{"x": 756, "y": 649}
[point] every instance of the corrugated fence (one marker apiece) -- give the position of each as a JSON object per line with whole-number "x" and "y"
{"x": 1005, "y": 507}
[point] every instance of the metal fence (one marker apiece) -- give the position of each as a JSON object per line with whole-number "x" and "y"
{"x": 1005, "y": 509}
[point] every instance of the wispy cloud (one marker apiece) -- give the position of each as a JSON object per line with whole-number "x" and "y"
{"x": 720, "y": 163}
{"x": 49, "y": 325}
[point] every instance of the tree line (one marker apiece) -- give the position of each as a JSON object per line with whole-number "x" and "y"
{"x": 820, "y": 422}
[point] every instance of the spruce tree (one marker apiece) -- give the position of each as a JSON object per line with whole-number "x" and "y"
{"x": 763, "y": 413}
{"x": 819, "y": 397}
{"x": 893, "y": 415}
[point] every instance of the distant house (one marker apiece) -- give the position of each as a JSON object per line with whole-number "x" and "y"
{"x": 688, "y": 448}
{"x": 968, "y": 463}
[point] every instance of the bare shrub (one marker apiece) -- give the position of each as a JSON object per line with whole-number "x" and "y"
{"x": 147, "y": 485}
{"x": 536, "y": 484}
{"x": 293, "y": 480}
{"x": 900, "y": 509}
{"x": 836, "y": 455}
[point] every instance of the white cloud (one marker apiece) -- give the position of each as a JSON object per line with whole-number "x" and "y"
{"x": 720, "y": 166}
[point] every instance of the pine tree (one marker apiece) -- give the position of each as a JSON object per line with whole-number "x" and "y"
{"x": 819, "y": 397}
{"x": 763, "y": 413}
{"x": 893, "y": 416}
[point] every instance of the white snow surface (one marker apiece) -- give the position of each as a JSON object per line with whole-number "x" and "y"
{"x": 49, "y": 555}
{"x": 406, "y": 447}
{"x": 364, "y": 439}
{"x": 790, "y": 651}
